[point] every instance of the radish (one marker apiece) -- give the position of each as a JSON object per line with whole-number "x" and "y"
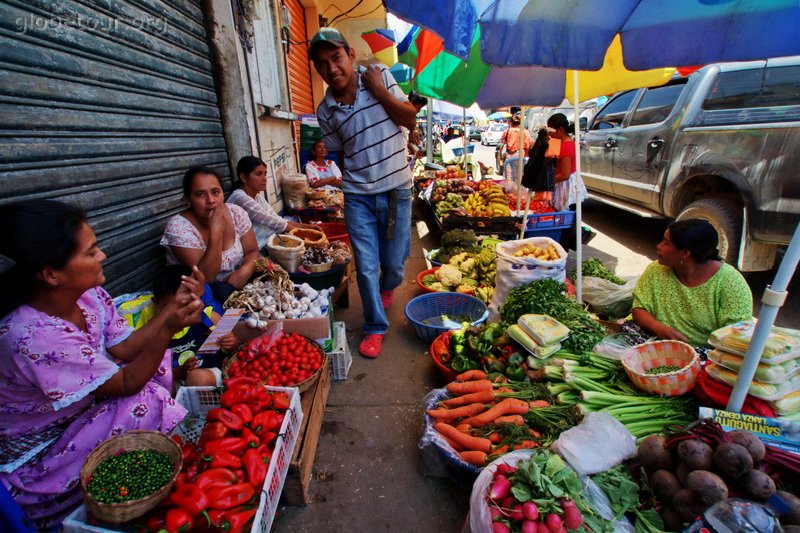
{"x": 573, "y": 519}
{"x": 554, "y": 522}
{"x": 501, "y": 486}
{"x": 504, "y": 470}
{"x": 495, "y": 512}
{"x": 530, "y": 526}
{"x": 508, "y": 503}
{"x": 530, "y": 511}
{"x": 499, "y": 527}
{"x": 541, "y": 527}
{"x": 516, "y": 513}
{"x": 566, "y": 504}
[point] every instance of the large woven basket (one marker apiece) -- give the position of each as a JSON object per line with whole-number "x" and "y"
{"x": 117, "y": 513}
{"x": 311, "y": 237}
{"x": 639, "y": 359}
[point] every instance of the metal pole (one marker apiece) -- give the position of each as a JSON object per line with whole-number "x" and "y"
{"x": 772, "y": 300}
{"x": 428, "y": 130}
{"x": 578, "y": 202}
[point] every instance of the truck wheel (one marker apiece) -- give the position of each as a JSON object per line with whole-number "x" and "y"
{"x": 726, "y": 217}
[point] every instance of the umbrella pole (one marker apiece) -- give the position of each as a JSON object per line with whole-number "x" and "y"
{"x": 464, "y": 138}
{"x": 429, "y": 131}
{"x": 578, "y": 201}
{"x": 772, "y": 300}
{"x": 520, "y": 167}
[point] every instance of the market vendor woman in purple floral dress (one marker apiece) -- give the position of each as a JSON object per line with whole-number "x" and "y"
{"x": 72, "y": 372}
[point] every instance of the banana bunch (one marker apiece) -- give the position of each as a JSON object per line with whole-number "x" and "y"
{"x": 489, "y": 202}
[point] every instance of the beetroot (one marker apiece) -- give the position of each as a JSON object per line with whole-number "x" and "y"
{"x": 753, "y": 444}
{"x": 664, "y": 485}
{"x": 732, "y": 459}
{"x": 696, "y": 454}
{"x": 653, "y": 453}
{"x": 757, "y": 484}
{"x": 709, "y": 487}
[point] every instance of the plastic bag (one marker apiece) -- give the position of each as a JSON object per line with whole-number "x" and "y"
{"x": 607, "y": 298}
{"x": 294, "y": 188}
{"x": 514, "y": 272}
{"x": 569, "y": 192}
{"x": 614, "y": 345}
{"x": 480, "y": 521}
{"x": 287, "y": 251}
{"x": 599, "y": 442}
{"x": 599, "y": 502}
{"x": 438, "y": 458}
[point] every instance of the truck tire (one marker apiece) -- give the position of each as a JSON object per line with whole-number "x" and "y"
{"x": 726, "y": 217}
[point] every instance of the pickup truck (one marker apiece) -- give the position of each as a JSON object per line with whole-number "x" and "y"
{"x": 722, "y": 144}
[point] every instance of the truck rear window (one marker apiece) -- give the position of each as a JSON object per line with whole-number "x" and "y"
{"x": 740, "y": 89}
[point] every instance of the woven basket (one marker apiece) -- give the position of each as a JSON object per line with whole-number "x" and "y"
{"x": 639, "y": 359}
{"x": 318, "y": 267}
{"x": 311, "y": 237}
{"x": 117, "y": 513}
{"x": 455, "y": 305}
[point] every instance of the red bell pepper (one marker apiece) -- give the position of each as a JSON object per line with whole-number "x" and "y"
{"x": 215, "y": 477}
{"x": 238, "y": 519}
{"x": 240, "y": 394}
{"x": 231, "y": 496}
{"x": 256, "y": 467}
{"x": 156, "y": 521}
{"x": 266, "y": 421}
{"x": 241, "y": 477}
{"x": 243, "y": 412}
{"x": 213, "y": 431}
{"x": 178, "y": 520}
{"x": 264, "y": 451}
{"x": 190, "y": 497}
{"x": 223, "y": 460}
{"x": 280, "y": 400}
{"x": 252, "y": 439}
{"x": 232, "y": 383}
{"x": 234, "y": 445}
{"x": 227, "y": 418}
{"x": 216, "y": 517}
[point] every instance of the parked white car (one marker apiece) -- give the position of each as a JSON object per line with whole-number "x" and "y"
{"x": 493, "y": 133}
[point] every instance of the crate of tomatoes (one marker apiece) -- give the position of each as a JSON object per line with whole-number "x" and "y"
{"x": 279, "y": 359}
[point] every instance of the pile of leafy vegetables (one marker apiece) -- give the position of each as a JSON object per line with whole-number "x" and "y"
{"x": 623, "y": 493}
{"x": 546, "y": 297}
{"x": 595, "y": 268}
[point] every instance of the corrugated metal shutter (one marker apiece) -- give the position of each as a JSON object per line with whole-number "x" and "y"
{"x": 302, "y": 101}
{"x": 106, "y": 107}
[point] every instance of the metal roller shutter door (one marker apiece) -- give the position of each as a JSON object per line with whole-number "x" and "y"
{"x": 106, "y": 107}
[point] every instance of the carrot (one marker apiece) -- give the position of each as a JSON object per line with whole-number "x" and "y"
{"x": 535, "y": 404}
{"x": 464, "y": 428}
{"x": 526, "y": 444}
{"x": 453, "y": 444}
{"x": 494, "y": 437}
{"x": 517, "y": 420}
{"x": 471, "y": 375}
{"x": 459, "y": 412}
{"x": 459, "y": 388}
{"x": 508, "y": 406}
{"x": 500, "y": 450}
{"x": 467, "y": 441}
{"x": 474, "y": 457}
{"x": 535, "y": 434}
{"x": 484, "y": 396}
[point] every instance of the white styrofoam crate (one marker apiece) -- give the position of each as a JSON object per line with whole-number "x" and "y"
{"x": 198, "y": 401}
{"x": 340, "y": 356}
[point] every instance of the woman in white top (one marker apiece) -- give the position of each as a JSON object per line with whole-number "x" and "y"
{"x": 249, "y": 195}
{"x": 212, "y": 235}
{"x": 322, "y": 172}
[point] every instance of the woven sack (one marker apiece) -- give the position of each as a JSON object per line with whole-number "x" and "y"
{"x": 287, "y": 251}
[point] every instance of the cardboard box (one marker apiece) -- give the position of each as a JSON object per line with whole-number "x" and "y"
{"x": 319, "y": 328}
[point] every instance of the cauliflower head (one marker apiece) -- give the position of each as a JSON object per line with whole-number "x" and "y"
{"x": 448, "y": 275}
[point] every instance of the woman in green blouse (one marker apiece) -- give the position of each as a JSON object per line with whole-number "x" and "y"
{"x": 689, "y": 292}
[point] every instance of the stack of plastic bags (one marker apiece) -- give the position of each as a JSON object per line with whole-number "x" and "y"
{"x": 777, "y": 378}
{"x": 541, "y": 335}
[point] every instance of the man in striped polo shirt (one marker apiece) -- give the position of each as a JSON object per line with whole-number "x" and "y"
{"x": 361, "y": 117}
